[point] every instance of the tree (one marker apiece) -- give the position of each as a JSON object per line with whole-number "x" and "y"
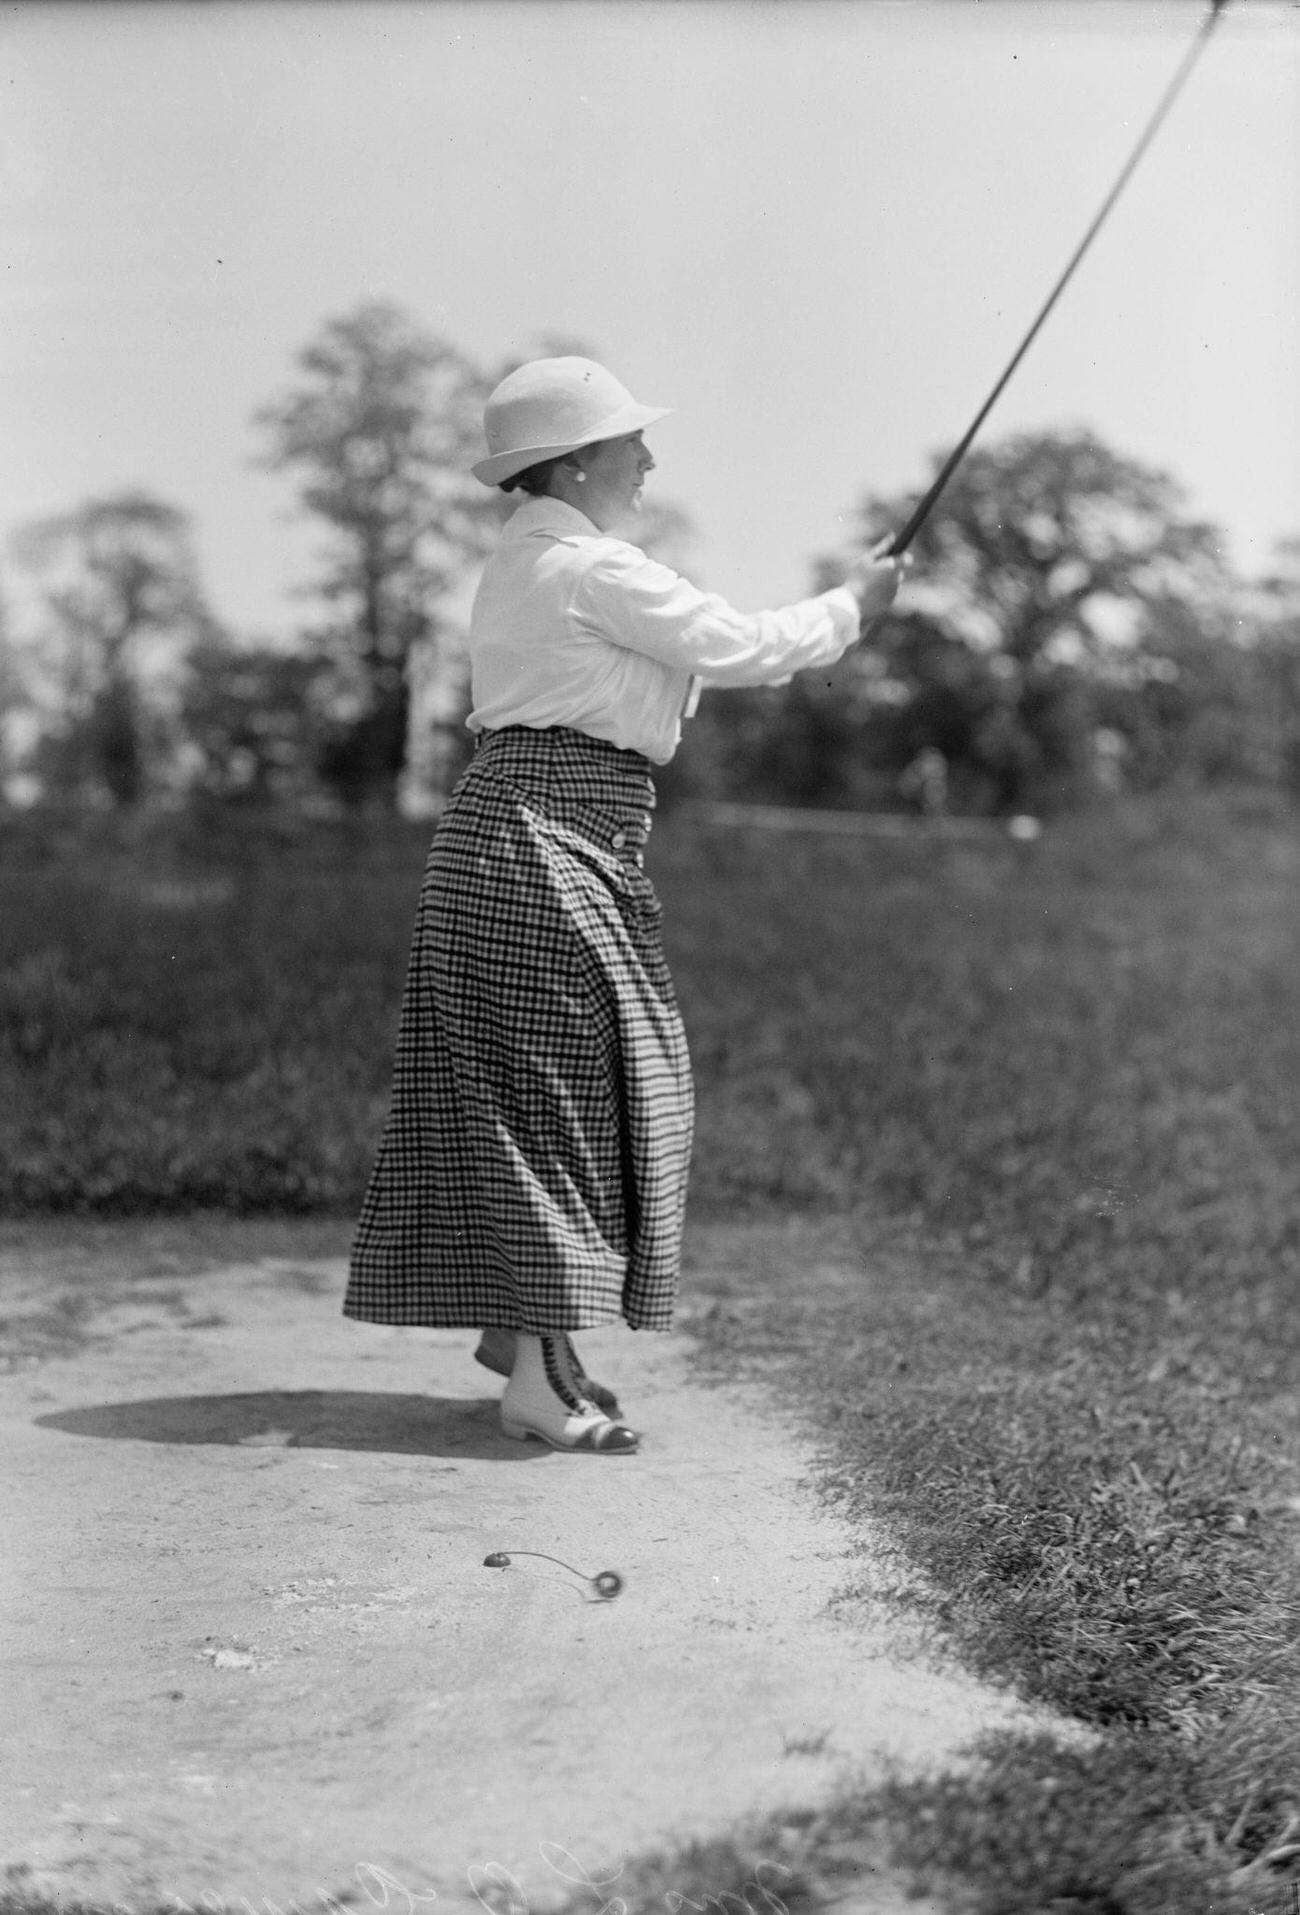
{"x": 381, "y": 431}
{"x": 1057, "y": 564}
{"x": 122, "y": 605}
{"x": 1048, "y": 582}
{"x": 1276, "y": 650}
{"x": 253, "y": 723}
{"x": 1067, "y": 617}
{"x": 15, "y": 710}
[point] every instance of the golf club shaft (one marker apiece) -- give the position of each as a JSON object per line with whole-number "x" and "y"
{"x": 922, "y": 512}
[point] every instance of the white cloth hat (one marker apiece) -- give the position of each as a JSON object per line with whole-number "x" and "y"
{"x": 552, "y": 406}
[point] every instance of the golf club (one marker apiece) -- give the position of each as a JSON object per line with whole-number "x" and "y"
{"x": 903, "y": 539}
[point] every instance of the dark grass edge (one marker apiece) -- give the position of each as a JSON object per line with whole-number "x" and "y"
{"x": 1189, "y": 1809}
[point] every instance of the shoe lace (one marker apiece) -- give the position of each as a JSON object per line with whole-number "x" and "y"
{"x": 565, "y": 1384}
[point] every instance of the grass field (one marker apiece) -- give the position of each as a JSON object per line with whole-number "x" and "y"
{"x": 1017, "y": 1130}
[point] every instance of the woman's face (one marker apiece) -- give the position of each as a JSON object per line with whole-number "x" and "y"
{"x": 615, "y": 469}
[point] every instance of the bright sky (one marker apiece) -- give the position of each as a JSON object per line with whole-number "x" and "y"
{"x": 817, "y": 228}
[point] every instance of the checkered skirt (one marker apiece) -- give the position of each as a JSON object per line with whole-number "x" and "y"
{"x": 532, "y": 1172}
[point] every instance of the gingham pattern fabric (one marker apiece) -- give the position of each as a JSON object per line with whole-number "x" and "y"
{"x": 532, "y": 1173}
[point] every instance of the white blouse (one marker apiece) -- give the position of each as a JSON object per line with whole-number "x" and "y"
{"x": 571, "y": 627}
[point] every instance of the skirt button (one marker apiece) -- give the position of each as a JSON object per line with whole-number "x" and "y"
{"x": 618, "y": 840}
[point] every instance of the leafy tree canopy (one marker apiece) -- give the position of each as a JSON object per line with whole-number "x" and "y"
{"x": 1066, "y": 620}
{"x": 1047, "y": 547}
{"x": 114, "y": 569}
{"x": 380, "y": 431}
{"x": 122, "y": 604}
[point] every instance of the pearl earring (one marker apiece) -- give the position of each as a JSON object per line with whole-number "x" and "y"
{"x": 580, "y": 478}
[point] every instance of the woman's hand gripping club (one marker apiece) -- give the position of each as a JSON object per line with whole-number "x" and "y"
{"x": 874, "y": 580}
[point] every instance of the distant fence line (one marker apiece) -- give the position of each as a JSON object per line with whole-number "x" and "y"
{"x": 859, "y": 824}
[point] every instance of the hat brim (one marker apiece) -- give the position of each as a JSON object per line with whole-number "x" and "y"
{"x": 504, "y": 465}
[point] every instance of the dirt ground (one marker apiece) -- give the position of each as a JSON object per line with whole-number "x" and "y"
{"x": 254, "y": 1653}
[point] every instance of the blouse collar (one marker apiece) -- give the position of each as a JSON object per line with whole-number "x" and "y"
{"x": 548, "y": 515}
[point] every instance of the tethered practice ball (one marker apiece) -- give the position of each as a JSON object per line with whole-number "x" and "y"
{"x": 607, "y": 1584}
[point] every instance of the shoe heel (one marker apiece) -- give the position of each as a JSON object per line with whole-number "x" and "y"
{"x": 516, "y": 1430}
{"x": 485, "y": 1355}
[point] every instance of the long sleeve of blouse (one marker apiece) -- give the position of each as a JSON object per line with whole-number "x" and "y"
{"x": 636, "y": 602}
{"x": 572, "y": 627}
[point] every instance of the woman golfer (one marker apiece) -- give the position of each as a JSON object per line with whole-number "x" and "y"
{"x": 531, "y": 1181}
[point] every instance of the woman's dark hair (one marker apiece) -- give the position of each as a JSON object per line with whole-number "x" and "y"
{"x": 534, "y": 479}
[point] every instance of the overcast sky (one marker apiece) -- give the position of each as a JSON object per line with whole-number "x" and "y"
{"x": 817, "y": 228}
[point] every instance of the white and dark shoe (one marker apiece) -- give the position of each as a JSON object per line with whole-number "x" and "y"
{"x": 496, "y": 1352}
{"x": 544, "y": 1399}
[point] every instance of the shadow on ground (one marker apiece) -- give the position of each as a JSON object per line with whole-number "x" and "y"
{"x": 306, "y": 1419}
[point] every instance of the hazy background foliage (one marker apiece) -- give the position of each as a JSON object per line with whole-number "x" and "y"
{"x": 1070, "y": 629}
